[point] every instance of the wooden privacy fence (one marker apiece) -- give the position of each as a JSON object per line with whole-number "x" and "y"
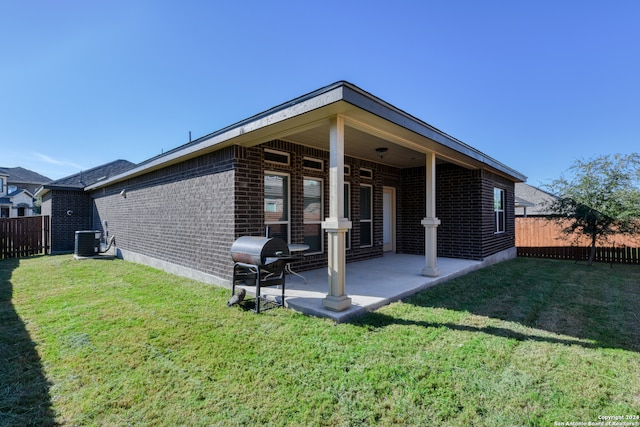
{"x": 623, "y": 255}
{"x": 543, "y": 232}
{"x": 538, "y": 237}
{"x": 24, "y": 236}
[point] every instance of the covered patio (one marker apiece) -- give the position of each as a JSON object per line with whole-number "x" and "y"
{"x": 338, "y": 170}
{"x": 371, "y": 284}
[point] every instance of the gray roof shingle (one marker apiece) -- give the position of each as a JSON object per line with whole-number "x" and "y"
{"x": 82, "y": 179}
{"x": 532, "y": 198}
{"x": 22, "y": 175}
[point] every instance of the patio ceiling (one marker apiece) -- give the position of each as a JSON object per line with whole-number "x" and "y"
{"x": 369, "y": 123}
{"x": 362, "y": 145}
{"x": 364, "y": 132}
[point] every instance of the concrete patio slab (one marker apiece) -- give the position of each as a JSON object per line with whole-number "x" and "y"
{"x": 370, "y": 284}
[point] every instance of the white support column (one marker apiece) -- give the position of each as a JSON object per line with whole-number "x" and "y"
{"x": 430, "y": 222}
{"x": 336, "y": 226}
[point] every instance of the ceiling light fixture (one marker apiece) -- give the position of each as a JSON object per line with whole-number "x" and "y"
{"x": 382, "y": 151}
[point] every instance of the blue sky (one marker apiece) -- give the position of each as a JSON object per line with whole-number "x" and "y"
{"x": 533, "y": 84}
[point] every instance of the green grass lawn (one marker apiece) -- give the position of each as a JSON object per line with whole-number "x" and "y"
{"x": 525, "y": 342}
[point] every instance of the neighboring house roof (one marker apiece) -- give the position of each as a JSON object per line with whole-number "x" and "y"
{"x": 22, "y": 175}
{"x": 530, "y": 200}
{"x": 370, "y": 122}
{"x": 83, "y": 179}
{"x": 520, "y": 202}
{"x": 18, "y": 191}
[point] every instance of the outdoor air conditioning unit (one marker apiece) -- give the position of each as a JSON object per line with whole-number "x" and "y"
{"x": 87, "y": 243}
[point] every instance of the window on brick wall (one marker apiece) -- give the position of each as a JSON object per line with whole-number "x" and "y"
{"x": 277, "y": 157}
{"x": 313, "y": 164}
{"x": 366, "y": 173}
{"x": 276, "y": 205}
{"x": 313, "y": 215}
{"x": 366, "y": 216}
{"x": 498, "y": 209}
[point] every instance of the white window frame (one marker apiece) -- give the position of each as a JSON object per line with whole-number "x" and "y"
{"x": 368, "y": 173}
{"x": 369, "y": 220}
{"x": 314, "y": 160}
{"x": 279, "y": 153}
{"x": 266, "y": 202}
{"x": 321, "y": 183}
{"x": 499, "y": 211}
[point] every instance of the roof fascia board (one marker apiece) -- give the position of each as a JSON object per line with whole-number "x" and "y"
{"x": 302, "y": 105}
{"x": 46, "y": 188}
{"x": 374, "y": 105}
{"x": 339, "y": 91}
{"x": 41, "y": 191}
{"x": 293, "y": 110}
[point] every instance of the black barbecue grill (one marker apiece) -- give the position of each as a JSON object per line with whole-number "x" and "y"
{"x": 260, "y": 262}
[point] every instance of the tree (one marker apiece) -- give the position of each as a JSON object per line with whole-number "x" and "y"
{"x": 600, "y": 197}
